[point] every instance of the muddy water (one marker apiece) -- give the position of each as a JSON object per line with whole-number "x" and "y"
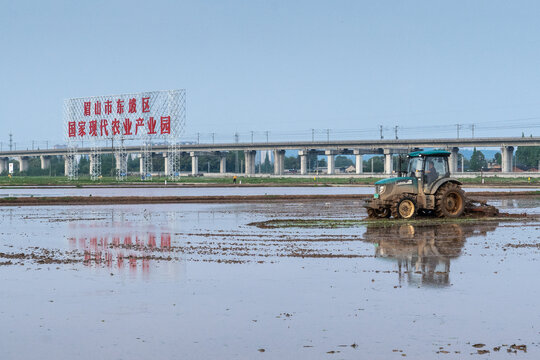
{"x": 207, "y": 191}
{"x": 196, "y": 281}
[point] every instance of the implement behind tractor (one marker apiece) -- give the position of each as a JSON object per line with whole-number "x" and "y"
{"x": 426, "y": 189}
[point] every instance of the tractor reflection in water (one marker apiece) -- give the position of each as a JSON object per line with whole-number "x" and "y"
{"x": 423, "y": 252}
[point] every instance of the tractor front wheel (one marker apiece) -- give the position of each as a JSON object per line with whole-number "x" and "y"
{"x": 405, "y": 208}
{"x": 384, "y": 213}
{"x": 374, "y": 214}
{"x": 449, "y": 201}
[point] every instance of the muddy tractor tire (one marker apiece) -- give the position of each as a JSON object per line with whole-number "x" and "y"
{"x": 449, "y": 201}
{"x": 404, "y": 208}
{"x": 377, "y": 214}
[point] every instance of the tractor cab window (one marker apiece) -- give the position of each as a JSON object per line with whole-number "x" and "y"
{"x": 415, "y": 164}
{"x": 435, "y": 168}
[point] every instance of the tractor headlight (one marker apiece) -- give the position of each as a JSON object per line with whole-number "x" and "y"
{"x": 382, "y": 188}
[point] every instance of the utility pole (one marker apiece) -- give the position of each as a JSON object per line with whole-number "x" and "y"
{"x": 312, "y": 135}
{"x": 213, "y": 138}
{"x": 266, "y": 132}
{"x": 236, "y": 164}
{"x": 395, "y": 131}
{"x": 457, "y": 128}
{"x": 32, "y": 144}
{"x": 198, "y": 138}
{"x": 10, "y": 142}
{"x": 472, "y": 129}
{"x": 327, "y": 135}
{"x": 252, "y": 137}
{"x": 380, "y": 131}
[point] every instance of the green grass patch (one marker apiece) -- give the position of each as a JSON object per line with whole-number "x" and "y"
{"x": 352, "y": 223}
{"x": 85, "y": 180}
{"x": 495, "y": 180}
{"x": 5, "y": 181}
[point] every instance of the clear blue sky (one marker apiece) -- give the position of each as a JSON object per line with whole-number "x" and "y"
{"x": 281, "y": 66}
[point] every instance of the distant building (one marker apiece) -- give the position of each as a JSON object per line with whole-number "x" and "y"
{"x": 350, "y": 169}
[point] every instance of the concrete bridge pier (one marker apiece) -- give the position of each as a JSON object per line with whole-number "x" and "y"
{"x": 453, "y": 160}
{"x": 4, "y": 164}
{"x": 388, "y": 163}
{"x": 68, "y": 159}
{"x": 24, "y": 165}
{"x": 45, "y": 161}
{"x": 359, "y": 164}
{"x": 166, "y": 164}
{"x": 141, "y": 164}
{"x": 249, "y": 156}
{"x": 303, "y": 161}
{"x": 194, "y": 163}
{"x": 223, "y": 163}
{"x": 93, "y": 164}
{"x": 331, "y": 168}
{"x": 507, "y": 155}
{"x": 279, "y": 162}
{"x": 120, "y": 161}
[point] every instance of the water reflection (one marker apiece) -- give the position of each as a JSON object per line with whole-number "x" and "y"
{"x": 423, "y": 252}
{"x": 519, "y": 203}
{"x": 132, "y": 250}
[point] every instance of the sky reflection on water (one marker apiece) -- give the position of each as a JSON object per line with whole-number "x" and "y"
{"x": 228, "y": 287}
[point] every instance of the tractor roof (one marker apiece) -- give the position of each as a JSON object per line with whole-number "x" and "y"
{"x": 429, "y": 153}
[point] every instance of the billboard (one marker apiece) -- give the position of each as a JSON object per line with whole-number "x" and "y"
{"x": 147, "y": 115}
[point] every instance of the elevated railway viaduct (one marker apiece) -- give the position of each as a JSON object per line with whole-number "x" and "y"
{"x": 330, "y": 149}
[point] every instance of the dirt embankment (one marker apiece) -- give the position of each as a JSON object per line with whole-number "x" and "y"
{"x": 97, "y": 200}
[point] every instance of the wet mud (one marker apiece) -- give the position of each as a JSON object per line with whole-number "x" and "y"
{"x": 306, "y": 279}
{"x": 232, "y": 199}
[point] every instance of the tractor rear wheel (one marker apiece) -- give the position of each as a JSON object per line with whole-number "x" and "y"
{"x": 405, "y": 208}
{"x": 449, "y": 201}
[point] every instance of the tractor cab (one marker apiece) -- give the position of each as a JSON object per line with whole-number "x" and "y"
{"x": 428, "y": 167}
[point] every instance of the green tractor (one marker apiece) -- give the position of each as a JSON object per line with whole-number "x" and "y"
{"x": 426, "y": 188}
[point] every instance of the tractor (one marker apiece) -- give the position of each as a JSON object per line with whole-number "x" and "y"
{"x": 426, "y": 188}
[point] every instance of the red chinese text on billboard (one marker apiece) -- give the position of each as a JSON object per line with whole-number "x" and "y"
{"x": 106, "y": 117}
{"x": 87, "y": 106}
{"x": 165, "y": 124}
{"x": 151, "y": 126}
{"x": 120, "y": 106}
{"x": 145, "y": 104}
{"x": 108, "y": 107}
{"x": 102, "y": 128}
{"x": 72, "y": 131}
{"x": 132, "y": 106}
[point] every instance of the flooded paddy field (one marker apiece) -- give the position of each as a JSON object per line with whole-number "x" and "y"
{"x": 207, "y": 281}
{"x": 54, "y": 191}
